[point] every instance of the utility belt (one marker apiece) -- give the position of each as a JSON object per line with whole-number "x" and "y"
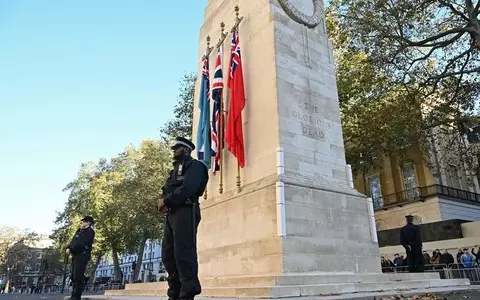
{"x": 188, "y": 203}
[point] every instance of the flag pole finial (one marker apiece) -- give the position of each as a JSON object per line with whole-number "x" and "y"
{"x": 208, "y": 50}
{"x": 238, "y": 19}
{"x": 223, "y": 35}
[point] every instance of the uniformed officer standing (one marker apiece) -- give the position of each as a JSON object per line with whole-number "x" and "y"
{"x": 81, "y": 249}
{"x": 411, "y": 240}
{"x": 179, "y": 202}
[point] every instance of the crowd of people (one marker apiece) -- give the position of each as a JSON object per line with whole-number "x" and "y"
{"x": 438, "y": 259}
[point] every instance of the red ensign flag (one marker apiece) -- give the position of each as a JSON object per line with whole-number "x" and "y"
{"x": 234, "y": 130}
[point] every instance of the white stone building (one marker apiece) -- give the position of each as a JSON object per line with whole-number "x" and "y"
{"x": 151, "y": 264}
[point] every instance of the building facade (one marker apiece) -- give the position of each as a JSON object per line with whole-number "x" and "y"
{"x": 399, "y": 187}
{"x": 34, "y": 271}
{"x": 151, "y": 268}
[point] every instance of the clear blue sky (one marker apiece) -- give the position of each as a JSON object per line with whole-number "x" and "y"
{"x": 80, "y": 80}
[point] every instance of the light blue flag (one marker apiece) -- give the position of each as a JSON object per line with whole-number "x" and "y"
{"x": 204, "y": 137}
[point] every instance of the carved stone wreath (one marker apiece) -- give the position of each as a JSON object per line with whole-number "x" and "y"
{"x": 298, "y": 16}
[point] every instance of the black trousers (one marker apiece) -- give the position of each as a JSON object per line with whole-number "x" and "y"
{"x": 179, "y": 251}
{"x": 415, "y": 260}
{"x": 79, "y": 265}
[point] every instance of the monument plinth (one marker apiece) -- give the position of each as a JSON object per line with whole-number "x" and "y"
{"x": 296, "y": 227}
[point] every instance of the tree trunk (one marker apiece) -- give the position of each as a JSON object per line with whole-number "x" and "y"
{"x": 98, "y": 258}
{"x": 116, "y": 263}
{"x": 141, "y": 249}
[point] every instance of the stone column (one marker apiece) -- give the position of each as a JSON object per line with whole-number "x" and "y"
{"x": 303, "y": 217}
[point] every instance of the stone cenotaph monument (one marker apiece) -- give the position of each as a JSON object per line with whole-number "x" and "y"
{"x": 296, "y": 226}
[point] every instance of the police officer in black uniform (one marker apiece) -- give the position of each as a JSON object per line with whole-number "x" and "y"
{"x": 411, "y": 240}
{"x": 179, "y": 202}
{"x": 81, "y": 249}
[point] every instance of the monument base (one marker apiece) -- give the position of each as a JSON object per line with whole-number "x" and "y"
{"x": 304, "y": 284}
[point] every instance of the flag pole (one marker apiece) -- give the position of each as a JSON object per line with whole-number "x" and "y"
{"x": 239, "y": 188}
{"x": 220, "y": 145}
{"x": 223, "y": 35}
{"x": 207, "y": 54}
{"x": 238, "y": 20}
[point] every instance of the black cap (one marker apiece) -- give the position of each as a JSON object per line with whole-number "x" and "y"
{"x": 88, "y": 219}
{"x": 183, "y": 142}
{"x": 409, "y": 217}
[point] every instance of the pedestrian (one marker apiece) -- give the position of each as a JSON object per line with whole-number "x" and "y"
{"x": 435, "y": 260}
{"x": 476, "y": 254}
{"x": 446, "y": 258}
{"x": 81, "y": 250}
{"x": 426, "y": 257}
{"x": 459, "y": 255}
{"x": 179, "y": 202}
{"x": 467, "y": 259}
{"x": 411, "y": 240}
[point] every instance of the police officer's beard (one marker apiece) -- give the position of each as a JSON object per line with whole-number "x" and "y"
{"x": 180, "y": 157}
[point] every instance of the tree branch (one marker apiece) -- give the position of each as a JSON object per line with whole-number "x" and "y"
{"x": 462, "y": 70}
{"x": 424, "y": 43}
{"x": 444, "y": 74}
{"x": 477, "y": 9}
{"x": 454, "y": 10}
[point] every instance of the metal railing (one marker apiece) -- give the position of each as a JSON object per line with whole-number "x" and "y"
{"x": 421, "y": 193}
{"x": 452, "y": 271}
{"x": 96, "y": 289}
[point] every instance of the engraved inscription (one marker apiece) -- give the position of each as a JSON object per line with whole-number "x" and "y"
{"x": 313, "y": 132}
{"x": 311, "y": 120}
{"x": 309, "y": 116}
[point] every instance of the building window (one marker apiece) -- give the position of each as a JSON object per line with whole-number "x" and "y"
{"x": 26, "y": 268}
{"x": 37, "y": 267}
{"x": 410, "y": 182}
{"x": 453, "y": 177}
{"x": 375, "y": 191}
{"x": 39, "y": 255}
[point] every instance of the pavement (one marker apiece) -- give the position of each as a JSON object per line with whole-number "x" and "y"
{"x": 30, "y": 297}
{"x": 472, "y": 293}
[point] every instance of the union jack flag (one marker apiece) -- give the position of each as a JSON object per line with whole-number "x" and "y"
{"x": 217, "y": 90}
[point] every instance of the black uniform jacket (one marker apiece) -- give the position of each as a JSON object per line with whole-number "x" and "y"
{"x": 82, "y": 242}
{"x": 187, "y": 182}
{"x": 410, "y": 236}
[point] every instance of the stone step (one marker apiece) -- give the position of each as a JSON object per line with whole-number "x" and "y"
{"x": 304, "y": 290}
{"x": 355, "y": 296}
{"x": 294, "y": 279}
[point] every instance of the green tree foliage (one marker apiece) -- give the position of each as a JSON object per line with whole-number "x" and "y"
{"x": 121, "y": 195}
{"x": 147, "y": 169}
{"x": 388, "y": 107}
{"x": 14, "y": 248}
{"x": 181, "y": 123}
{"x": 434, "y": 43}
